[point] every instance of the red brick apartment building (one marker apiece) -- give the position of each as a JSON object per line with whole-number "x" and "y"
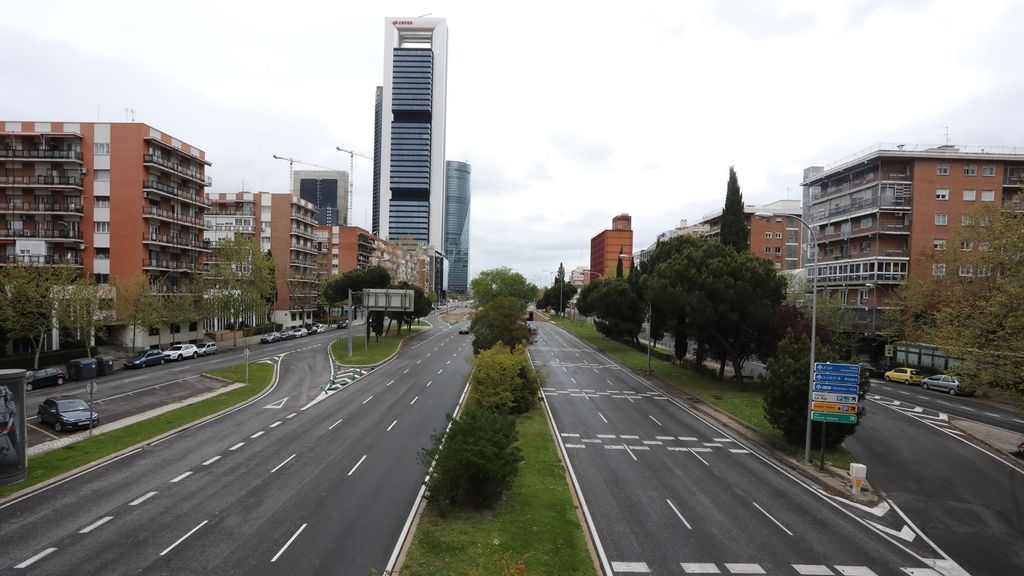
{"x": 111, "y": 199}
{"x": 879, "y": 213}
{"x": 776, "y": 239}
{"x": 607, "y": 245}
{"x": 346, "y": 248}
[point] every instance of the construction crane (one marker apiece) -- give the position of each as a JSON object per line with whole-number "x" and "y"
{"x": 291, "y": 169}
{"x": 351, "y": 167}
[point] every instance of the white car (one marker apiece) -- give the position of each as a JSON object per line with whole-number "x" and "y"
{"x": 300, "y": 332}
{"x": 181, "y": 351}
{"x": 207, "y": 348}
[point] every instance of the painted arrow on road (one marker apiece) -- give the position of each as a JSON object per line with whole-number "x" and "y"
{"x": 278, "y": 404}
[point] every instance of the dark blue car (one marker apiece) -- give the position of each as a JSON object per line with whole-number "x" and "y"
{"x": 147, "y": 358}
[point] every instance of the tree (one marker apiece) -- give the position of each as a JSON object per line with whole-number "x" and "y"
{"x": 240, "y": 280}
{"x": 734, "y": 231}
{"x": 495, "y": 283}
{"x": 618, "y": 312}
{"x": 501, "y": 321}
{"x": 785, "y": 399}
{"x": 336, "y": 291}
{"x": 32, "y": 295}
{"x": 421, "y": 307}
{"x": 558, "y": 294}
{"x": 618, "y": 265}
{"x": 135, "y": 305}
{"x": 504, "y": 381}
{"x": 83, "y": 307}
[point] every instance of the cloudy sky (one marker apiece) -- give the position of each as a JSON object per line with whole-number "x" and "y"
{"x": 569, "y": 112}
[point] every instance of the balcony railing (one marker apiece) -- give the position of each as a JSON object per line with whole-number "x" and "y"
{"x": 41, "y": 154}
{"x": 305, "y": 263}
{"x": 174, "y": 217}
{"x": 303, "y": 247}
{"x": 299, "y": 230}
{"x": 876, "y": 228}
{"x": 215, "y": 211}
{"x": 40, "y": 181}
{"x": 302, "y": 216}
{"x": 179, "y": 241}
{"x": 171, "y": 265}
{"x": 68, "y": 207}
{"x": 187, "y": 194}
{"x": 862, "y": 204}
{"x": 40, "y": 260}
{"x": 45, "y": 233}
{"x": 177, "y": 169}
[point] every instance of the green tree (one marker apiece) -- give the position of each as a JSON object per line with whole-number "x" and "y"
{"x": 504, "y": 380}
{"x": 558, "y": 294}
{"x": 734, "y": 231}
{"x": 501, "y": 321}
{"x": 478, "y": 463}
{"x": 135, "y": 305}
{"x": 358, "y": 279}
{"x": 240, "y": 280}
{"x": 84, "y": 307}
{"x": 618, "y": 312}
{"x": 421, "y": 307}
{"x": 32, "y": 295}
{"x": 618, "y": 265}
{"x": 496, "y": 283}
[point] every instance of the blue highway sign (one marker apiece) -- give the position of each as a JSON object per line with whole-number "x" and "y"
{"x": 836, "y": 378}
{"x": 820, "y": 367}
{"x": 836, "y": 388}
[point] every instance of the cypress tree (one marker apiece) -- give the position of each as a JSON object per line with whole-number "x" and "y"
{"x": 734, "y": 231}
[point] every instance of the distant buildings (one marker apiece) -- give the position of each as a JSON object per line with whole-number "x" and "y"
{"x": 456, "y": 234}
{"x": 776, "y": 240}
{"x": 327, "y": 191}
{"x": 608, "y": 245}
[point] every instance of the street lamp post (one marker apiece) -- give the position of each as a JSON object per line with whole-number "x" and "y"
{"x": 814, "y": 323}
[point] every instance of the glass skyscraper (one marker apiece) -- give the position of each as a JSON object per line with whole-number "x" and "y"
{"x": 456, "y": 225}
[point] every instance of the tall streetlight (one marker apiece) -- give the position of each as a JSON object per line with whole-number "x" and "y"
{"x": 814, "y": 323}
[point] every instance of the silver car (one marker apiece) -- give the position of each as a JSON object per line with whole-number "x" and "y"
{"x": 946, "y": 383}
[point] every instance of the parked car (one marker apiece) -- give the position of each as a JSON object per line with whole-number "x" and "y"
{"x": 44, "y": 377}
{"x": 947, "y": 383}
{"x": 905, "y": 375}
{"x": 270, "y": 337}
{"x": 207, "y": 348}
{"x": 342, "y": 324}
{"x": 873, "y": 370}
{"x": 288, "y": 334}
{"x": 463, "y": 330}
{"x": 317, "y": 328}
{"x": 300, "y": 332}
{"x": 66, "y": 413}
{"x": 148, "y": 358}
{"x": 181, "y": 352}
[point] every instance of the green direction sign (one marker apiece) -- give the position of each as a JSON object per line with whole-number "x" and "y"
{"x": 834, "y": 417}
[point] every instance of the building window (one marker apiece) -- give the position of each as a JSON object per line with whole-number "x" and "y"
{"x": 778, "y": 235}
{"x": 966, "y": 245}
{"x": 865, "y": 246}
{"x": 767, "y": 249}
{"x": 970, "y": 169}
{"x": 767, "y": 235}
{"x": 941, "y": 219}
{"x": 102, "y": 175}
{"x": 866, "y": 222}
{"x": 938, "y": 244}
{"x": 988, "y": 195}
{"x": 985, "y": 221}
{"x": 984, "y": 271}
{"x": 778, "y": 250}
{"x": 967, "y": 220}
{"x": 970, "y": 195}
{"x": 102, "y": 202}
{"x": 965, "y": 271}
{"x": 154, "y": 331}
{"x": 102, "y": 253}
{"x": 101, "y": 148}
{"x": 102, "y": 227}
{"x": 938, "y": 270}
{"x": 988, "y": 169}
{"x": 942, "y": 169}
{"x": 864, "y": 295}
{"x": 101, "y": 278}
{"x": 942, "y": 194}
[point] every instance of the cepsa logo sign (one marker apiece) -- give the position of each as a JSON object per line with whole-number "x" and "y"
{"x": 401, "y": 22}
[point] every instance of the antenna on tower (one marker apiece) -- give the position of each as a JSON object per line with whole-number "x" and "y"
{"x": 946, "y": 132}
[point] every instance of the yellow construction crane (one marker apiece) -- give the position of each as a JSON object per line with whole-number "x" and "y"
{"x": 351, "y": 167}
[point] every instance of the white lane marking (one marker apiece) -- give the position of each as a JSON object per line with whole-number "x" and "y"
{"x": 592, "y": 440}
{"x": 688, "y": 438}
{"x": 723, "y": 439}
{"x": 665, "y": 437}
{"x": 441, "y": 370}
{"x": 454, "y": 355}
{"x": 357, "y": 465}
{"x": 606, "y": 436}
{"x": 368, "y": 399}
{"x": 181, "y": 476}
{"x": 739, "y": 451}
{"x": 418, "y": 361}
{"x": 630, "y": 399}
{"x": 745, "y": 568}
{"x": 573, "y": 379}
{"x": 699, "y": 457}
{"x": 676, "y": 510}
{"x": 275, "y": 424}
{"x": 414, "y": 400}
{"x": 448, "y": 362}
{"x": 406, "y": 371}
{"x": 36, "y": 558}
{"x": 594, "y": 369}
{"x": 712, "y": 444}
{"x": 655, "y": 419}
{"x": 855, "y": 571}
{"x": 391, "y": 426}
{"x": 211, "y": 460}
{"x": 629, "y": 436}
{"x": 258, "y": 434}
{"x": 288, "y": 543}
{"x": 699, "y": 568}
{"x": 920, "y": 572}
{"x": 777, "y": 523}
{"x": 292, "y": 415}
{"x": 429, "y": 353}
{"x": 286, "y": 460}
{"x": 813, "y": 570}
{"x": 575, "y": 445}
{"x": 566, "y": 434}
{"x": 95, "y": 525}
{"x": 331, "y": 427}
{"x": 389, "y": 383}
{"x": 237, "y": 446}
{"x": 655, "y": 442}
{"x": 182, "y": 539}
{"x": 991, "y": 414}
{"x": 615, "y": 446}
{"x": 605, "y": 420}
{"x": 638, "y": 447}
{"x": 630, "y": 568}
{"x": 142, "y": 498}
{"x": 429, "y": 383}
{"x": 630, "y": 451}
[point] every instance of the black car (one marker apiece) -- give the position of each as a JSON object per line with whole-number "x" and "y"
{"x": 148, "y": 358}
{"x": 463, "y": 330}
{"x": 66, "y": 413}
{"x": 873, "y": 370}
{"x": 44, "y": 377}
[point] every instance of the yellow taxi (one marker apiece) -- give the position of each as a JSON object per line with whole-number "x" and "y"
{"x": 904, "y": 375}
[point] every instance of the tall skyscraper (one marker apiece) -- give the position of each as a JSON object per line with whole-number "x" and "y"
{"x": 456, "y": 225}
{"x": 327, "y": 191}
{"x": 409, "y": 197}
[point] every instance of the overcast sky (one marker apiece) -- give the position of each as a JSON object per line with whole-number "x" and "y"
{"x": 569, "y": 112}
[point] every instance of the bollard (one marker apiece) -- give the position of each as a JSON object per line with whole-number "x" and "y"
{"x": 858, "y": 473}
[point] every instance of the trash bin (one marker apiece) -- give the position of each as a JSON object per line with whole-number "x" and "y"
{"x": 529, "y": 316}
{"x": 82, "y": 368}
{"x": 104, "y": 365}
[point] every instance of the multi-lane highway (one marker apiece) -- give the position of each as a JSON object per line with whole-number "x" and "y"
{"x": 292, "y": 483}
{"x": 667, "y": 492}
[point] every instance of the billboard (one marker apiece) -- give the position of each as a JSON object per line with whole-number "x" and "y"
{"x": 13, "y": 457}
{"x": 387, "y": 300}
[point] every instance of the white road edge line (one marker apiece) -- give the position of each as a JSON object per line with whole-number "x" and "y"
{"x": 630, "y": 451}
{"x": 142, "y": 498}
{"x": 676, "y": 510}
{"x": 331, "y": 427}
{"x": 391, "y": 426}
{"x": 182, "y": 539}
{"x": 777, "y": 523}
{"x": 655, "y": 419}
{"x": 357, "y": 465}
{"x": 288, "y": 543}
{"x": 95, "y": 525}
{"x": 287, "y": 460}
{"x": 36, "y": 558}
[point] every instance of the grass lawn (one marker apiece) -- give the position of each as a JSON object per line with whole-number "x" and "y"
{"x": 743, "y": 402}
{"x": 363, "y": 355}
{"x": 61, "y": 460}
{"x": 535, "y": 524}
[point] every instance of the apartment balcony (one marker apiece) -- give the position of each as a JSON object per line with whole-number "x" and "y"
{"x": 304, "y": 248}
{"x": 218, "y": 211}
{"x": 305, "y": 233}
{"x": 61, "y": 234}
{"x": 875, "y": 270}
{"x": 303, "y": 263}
{"x": 70, "y": 208}
{"x": 820, "y": 215}
{"x": 40, "y": 260}
{"x": 302, "y": 216}
{"x": 41, "y": 182}
{"x": 239, "y": 228}
{"x": 861, "y": 182}
{"x": 170, "y": 216}
{"x": 56, "y": 155}
{"x": 175, "y": 192}
{"x": 176, "y": 241}
{"x": 168, "y": 265}
{"x": 176, "y": 169}
{"x": 879, "y": 227}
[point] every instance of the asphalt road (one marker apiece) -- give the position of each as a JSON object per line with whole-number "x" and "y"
{"x": 960, "y": 406}
{"x": 284, "y": 485}
{"x": 967, "y": 500}
{"x": 666, "y": 492}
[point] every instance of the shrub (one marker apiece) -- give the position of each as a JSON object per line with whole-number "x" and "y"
{"x": 478, "y": 463}
{"x": 504, "y": 381}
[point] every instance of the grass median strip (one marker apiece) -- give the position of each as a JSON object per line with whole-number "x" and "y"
{"x": 54, "y": 463}
{"x": 363, "y": 355}
{"x": 535, "y": 524}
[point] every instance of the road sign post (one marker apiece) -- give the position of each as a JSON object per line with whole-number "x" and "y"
{"x": 91, "y": 389}
{"x": 834, "y": 396}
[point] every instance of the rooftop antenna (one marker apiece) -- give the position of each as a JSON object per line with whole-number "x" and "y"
{"x": 946, "y": 129}
{"x": 129, "y": 115}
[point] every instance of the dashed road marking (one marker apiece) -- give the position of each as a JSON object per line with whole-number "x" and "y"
{"x": 181, "y": 477}
{"x": 142, "y": 498}
{"x": 357, "y": 465}
{"x": 414, "y": 400}
{"x": 275, "y": 424}
{"x": 288, "y": 543}
{"x": 258, "y": 434}
{"x": 95, "y": 525}
{"x": 700, "y": 568}
{"x": 211, "y": 460}
{"x": 812, "y": 570}
{"x": 630, "y": 568}
{"x": 36, "y": 558}
{"x": 745, "y": 569}
{"x": 237, "y": 446}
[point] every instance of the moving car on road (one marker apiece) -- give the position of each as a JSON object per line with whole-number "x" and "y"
{"x": 270, "y": 337}
{"x": 946, "y": 383}
{"x": 66, "y": 413}
{"x": 44, "y": 377}
{"x": 181, "y": 351}
{"x": 905, "y": 375}
{"x": 463, "y": 330}
{"x": 207, "y": 348}
{"x": 342, "y": 324}
{"x": 148, "y": 358}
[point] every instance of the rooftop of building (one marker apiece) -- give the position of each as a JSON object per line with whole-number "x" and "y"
{"x": 912, "y": 151}
{"x": 776, "y": 207}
